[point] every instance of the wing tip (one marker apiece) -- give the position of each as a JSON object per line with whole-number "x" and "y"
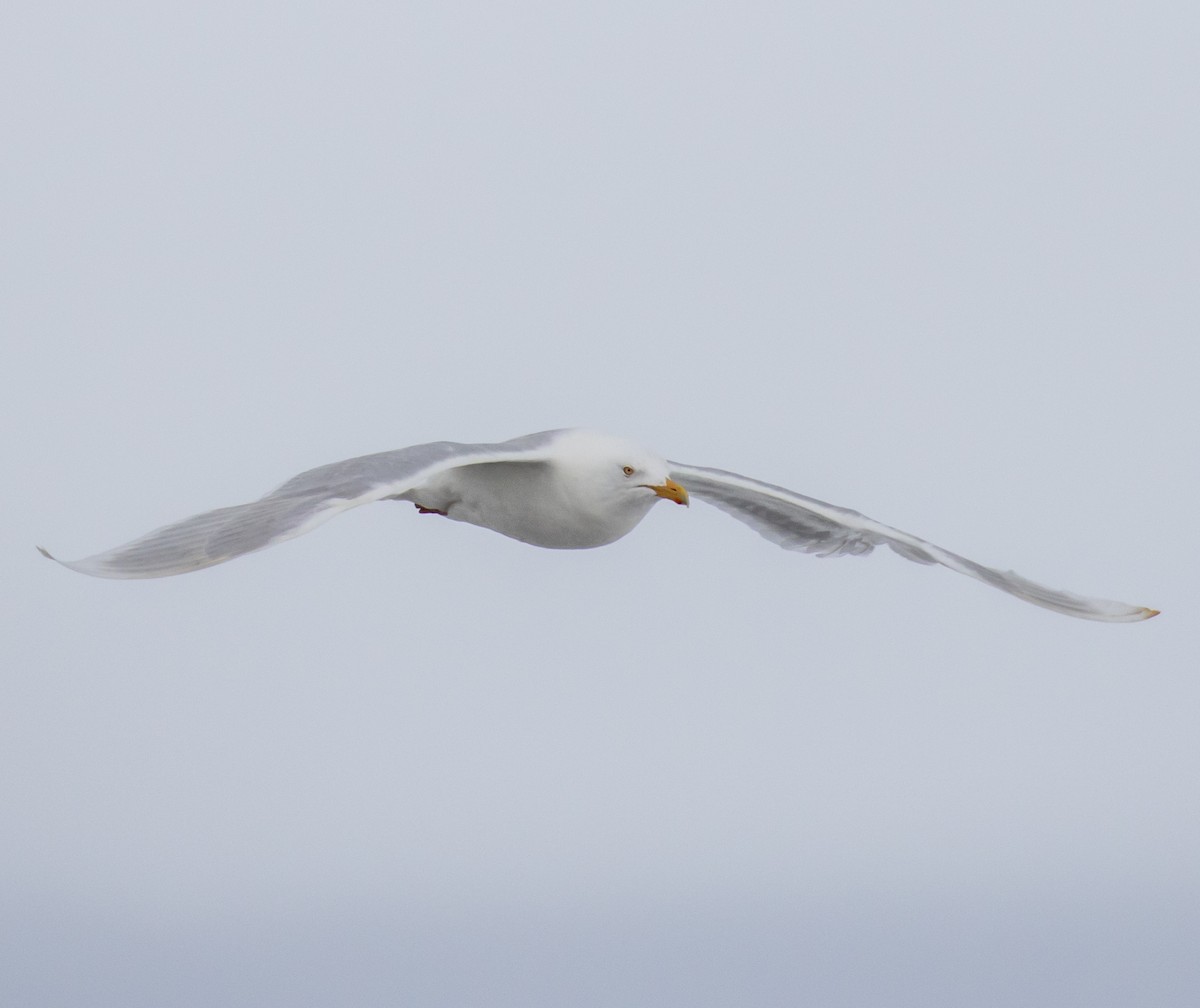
{"x": 85, "y": 566}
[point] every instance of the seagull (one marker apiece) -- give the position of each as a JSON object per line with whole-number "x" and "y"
{"x": 560, "y": 489}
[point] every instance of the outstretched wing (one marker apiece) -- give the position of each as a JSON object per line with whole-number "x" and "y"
{"x": 300, "y": 505}
{"x": 794, "y": 521}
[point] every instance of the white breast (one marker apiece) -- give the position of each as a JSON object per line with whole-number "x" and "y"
{"x": 536, "y": 502}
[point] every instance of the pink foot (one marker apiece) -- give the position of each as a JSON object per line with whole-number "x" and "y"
{"x": 425, "y": 510}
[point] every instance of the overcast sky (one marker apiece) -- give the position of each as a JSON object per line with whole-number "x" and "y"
{"x": 936, "y": 262}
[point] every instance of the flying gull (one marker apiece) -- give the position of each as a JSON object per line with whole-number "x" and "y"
{"x": 562, "y": 489}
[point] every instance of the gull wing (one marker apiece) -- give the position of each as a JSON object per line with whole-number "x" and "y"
{"x": 796, "y": 522}
{"x": 298, "y": 506}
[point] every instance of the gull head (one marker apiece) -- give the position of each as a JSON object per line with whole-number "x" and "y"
{"x": 615, "y": 473}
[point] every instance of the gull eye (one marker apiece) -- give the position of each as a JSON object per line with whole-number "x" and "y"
{"x": 627, "y": 470}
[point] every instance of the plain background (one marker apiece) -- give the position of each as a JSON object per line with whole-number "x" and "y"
{"x": 937, "y": 262}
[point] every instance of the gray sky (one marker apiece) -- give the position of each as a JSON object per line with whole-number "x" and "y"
{"x": 935, "y": 262}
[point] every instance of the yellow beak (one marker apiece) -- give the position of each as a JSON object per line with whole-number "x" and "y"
{"x": 670, "y": 490}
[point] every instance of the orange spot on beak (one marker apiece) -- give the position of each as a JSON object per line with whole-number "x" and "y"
{"x": 670, "y": 490}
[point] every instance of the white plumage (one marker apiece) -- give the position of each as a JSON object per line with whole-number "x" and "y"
{"x": 564, "y": 489}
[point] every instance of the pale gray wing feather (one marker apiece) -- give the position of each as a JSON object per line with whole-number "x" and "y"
{"x": 296, "y": 507}
{"x": 796, "y": 522}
